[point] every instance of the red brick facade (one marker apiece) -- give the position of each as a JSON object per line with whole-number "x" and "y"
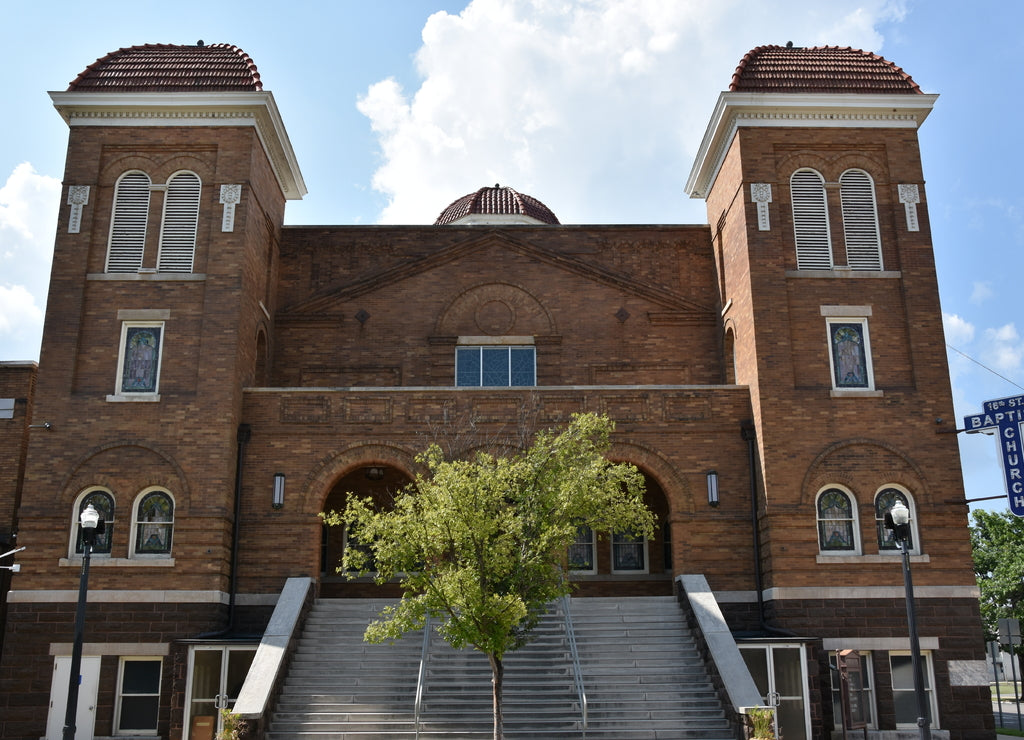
{"x": 320, "y": 352}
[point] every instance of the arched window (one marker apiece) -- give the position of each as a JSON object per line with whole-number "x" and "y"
{"x": 860, "y": 221}
{"x": 810, "y": 221}
{"x": 885, "y": 499}
{"x": 837, "y": 521}
{"x": 103, "y": 501}
{"x": 128, "y": 223}
{"x": 180, "y": 221}
{"x": 153, "y": 525}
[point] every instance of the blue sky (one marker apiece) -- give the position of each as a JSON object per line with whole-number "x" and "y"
{"x": 597, "y": 107}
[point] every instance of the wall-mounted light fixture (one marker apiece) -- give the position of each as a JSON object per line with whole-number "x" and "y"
{"x": 712, "y": 488}
{"x": 278, "y": 501}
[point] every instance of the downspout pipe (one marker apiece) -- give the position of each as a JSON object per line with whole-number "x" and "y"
{"x": 749, "y": 434}
{"x": 242, "y": 439}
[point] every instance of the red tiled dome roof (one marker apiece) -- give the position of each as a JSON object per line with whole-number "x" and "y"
{"x": 171, "y": 68}
{"x": 821, "y": 69}
{"x": 496, "y": 201}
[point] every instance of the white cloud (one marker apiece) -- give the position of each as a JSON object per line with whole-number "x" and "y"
{"x": 28, "y": 220}
{"x": 959, "y": 331}
{"x": 1003, "y": 348}
{"x": 576, "y": 102}
{"x": 981, "y": 292}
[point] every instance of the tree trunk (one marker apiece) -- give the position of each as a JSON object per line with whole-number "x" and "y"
{"x": 497, "y": 674}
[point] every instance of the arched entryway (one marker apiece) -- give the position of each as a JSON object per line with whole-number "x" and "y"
{"x": 378, "y": 481}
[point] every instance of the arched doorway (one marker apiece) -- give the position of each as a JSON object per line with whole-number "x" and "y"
{"x": 378, "y": 481}
{"x": 610, "y": 564}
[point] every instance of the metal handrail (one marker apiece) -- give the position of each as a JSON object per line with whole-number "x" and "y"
{"x": 422, "y": 678}
{"x": 577, "y": 672}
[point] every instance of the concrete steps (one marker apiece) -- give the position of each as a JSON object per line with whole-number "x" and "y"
{"x": 642, "y": 674}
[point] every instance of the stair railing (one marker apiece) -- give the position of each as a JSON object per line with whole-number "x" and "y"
{"x": 577, "y": 672}
{"x": 421, "y": 680}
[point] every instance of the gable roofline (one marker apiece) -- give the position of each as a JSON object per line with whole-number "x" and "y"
{"x": 221, "y": 108}
{"x": 797, "y": 110}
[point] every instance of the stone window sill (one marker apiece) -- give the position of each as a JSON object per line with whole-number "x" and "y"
{"x": 104, "y": 562}
{"x": 863, "y": 559}
{"x": 139, "y": 398}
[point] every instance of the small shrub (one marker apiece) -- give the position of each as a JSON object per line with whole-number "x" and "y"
{"x": 234, "y": 726}
{"x": 762, "y": 724}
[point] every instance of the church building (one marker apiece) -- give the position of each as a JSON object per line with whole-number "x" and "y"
{"x": 212, "y": 379}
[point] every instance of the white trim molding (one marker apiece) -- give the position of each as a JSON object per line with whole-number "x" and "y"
{"x": 255, "y": 109}
{"x": 736, "y": 110}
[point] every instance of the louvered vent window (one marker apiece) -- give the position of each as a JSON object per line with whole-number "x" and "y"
{"x": 128, "y": 223}
{"x": 181, "y": 217}
{"x": 810, "y": 221}
{"x": 860, "y": 220}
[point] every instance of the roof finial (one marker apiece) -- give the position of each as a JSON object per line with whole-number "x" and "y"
{"x": 789, "y": 44}
{"x": 200, "y": 43}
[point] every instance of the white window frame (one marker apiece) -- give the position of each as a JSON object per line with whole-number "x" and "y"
{"x": 915, "y": 545}
{"x": 811, "y": 229}
{"x": 928, "y": 673}
{"x": 630, "y": 571}
{"x": 119, "y": 392}
{"x": 593, "y": 553}
{"x": 179, "y": 223}
{"x": 129, "y": 222}
{"x": 832, "y": 319}
{"x": 133, "y": 537}
{"x": 868, "y": 664}
{"x": 855, "y": 521}
{"x": 860, "y": 220}
{"x": 118, "y": 730}
{"x": 76, "y": 523}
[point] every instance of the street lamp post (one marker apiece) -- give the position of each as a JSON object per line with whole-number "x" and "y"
{"x": 92, "y": 525}
{"x": 898, "y": 520}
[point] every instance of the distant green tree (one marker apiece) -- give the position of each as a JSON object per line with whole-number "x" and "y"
{"x": 997, "y": 539}
{"x": 481, "y": 544}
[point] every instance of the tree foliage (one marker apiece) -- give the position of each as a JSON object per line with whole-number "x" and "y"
{"x": 481, "y": 544}
{"x": 997, "y": 539}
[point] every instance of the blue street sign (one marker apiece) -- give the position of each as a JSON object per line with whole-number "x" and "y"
{"x": 1006, "y": 417}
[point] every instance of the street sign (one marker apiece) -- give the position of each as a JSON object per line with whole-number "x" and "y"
{"x": 1009, "y": 631}
{"x": 1006, "y": 417}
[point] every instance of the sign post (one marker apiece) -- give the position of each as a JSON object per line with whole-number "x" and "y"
{"x": 1006, "y": 417}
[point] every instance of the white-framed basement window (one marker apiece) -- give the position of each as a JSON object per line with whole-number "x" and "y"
{"x": 137, "y": 706}
{"x": 904, "y": 698}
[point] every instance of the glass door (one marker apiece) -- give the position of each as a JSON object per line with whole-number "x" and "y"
{"x": 780, "y": 674}
{"x": 215, "y": 677}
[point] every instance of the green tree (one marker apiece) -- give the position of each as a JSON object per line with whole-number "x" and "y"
{"x": 480, "y": 545}
{"x": 997, "y": 539}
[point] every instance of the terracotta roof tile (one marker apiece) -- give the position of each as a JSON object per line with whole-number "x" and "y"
{"x": 171, "y": 68}
{"x": 496, "y": 201}
{"x": 821, "y": 69}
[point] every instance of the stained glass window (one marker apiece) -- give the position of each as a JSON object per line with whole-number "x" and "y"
{"x": 884, "y": 501}
{"x": 154, "y": 524}
{"x": 835, "y": 521}
{"x": 141, "y": 365}
{"x": 103, "y": 502}
{"x": 629, "y": 553}
{"x": 495, "y": 366}
{"x": 849, "y": 355}
{"x": 581, "y": 551}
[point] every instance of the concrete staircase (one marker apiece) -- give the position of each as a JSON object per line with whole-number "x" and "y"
{"x": 641, "y": 671}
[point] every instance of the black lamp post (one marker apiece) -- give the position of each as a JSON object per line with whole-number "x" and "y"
{"x": 897, "y": 519}
{"x": 92, "y": 525}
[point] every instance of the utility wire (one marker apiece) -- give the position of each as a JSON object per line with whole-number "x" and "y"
{"x": 986, "y": 367}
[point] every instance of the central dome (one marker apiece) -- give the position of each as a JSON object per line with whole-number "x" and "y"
{"x": 497, "y": 205}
